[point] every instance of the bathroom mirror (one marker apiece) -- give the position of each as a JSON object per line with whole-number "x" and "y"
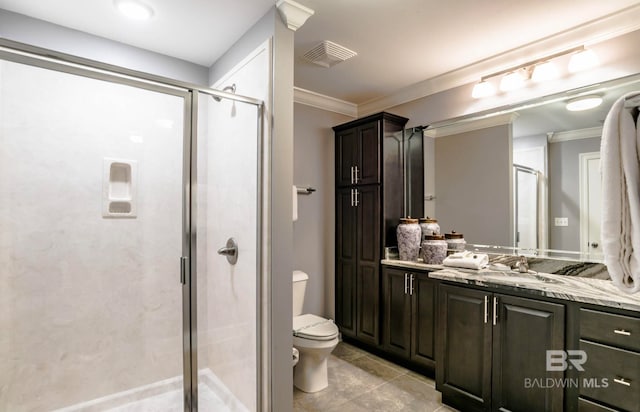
{"x": 550, "y": 188}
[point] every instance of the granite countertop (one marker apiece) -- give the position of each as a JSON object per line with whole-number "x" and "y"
{"x": 573, "y": 288}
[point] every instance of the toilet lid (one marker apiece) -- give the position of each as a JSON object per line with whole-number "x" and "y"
{"x": 314, "y": 327}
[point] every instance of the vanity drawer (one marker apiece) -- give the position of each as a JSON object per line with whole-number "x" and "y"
{"x": 611, "y": 376}
{"x": 616, "y": 330}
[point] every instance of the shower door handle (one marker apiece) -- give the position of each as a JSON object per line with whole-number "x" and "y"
{"x": 230, "y": 251}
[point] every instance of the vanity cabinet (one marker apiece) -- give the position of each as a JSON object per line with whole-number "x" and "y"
{"x": 611, "y": 376}
{"x": 369, "y": 202}
{"x": 408, "y": 301}
{"x": 491, "y": 350}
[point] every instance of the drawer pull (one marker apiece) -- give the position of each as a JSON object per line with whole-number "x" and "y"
{"x": 621, "y": 381}
{"x": 622, "y": 332}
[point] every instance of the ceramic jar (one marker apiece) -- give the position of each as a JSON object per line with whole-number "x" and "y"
{"x": 408, "y": 233}
{"x": 429, "y": 226}
{"x": 455, "y": 242}
{"x": 434, "y": 249}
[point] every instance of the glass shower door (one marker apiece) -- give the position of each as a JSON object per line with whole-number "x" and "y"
{"x": 228, "y": 207}
{"x": 91, "y": 230}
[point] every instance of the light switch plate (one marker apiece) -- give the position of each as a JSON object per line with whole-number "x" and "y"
{"x": 562, "y": 221}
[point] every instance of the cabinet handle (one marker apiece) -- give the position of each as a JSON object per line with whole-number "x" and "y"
{"x": 357, "y": 201}
{"x": 486, "y": 309}
{"x": 351, "y": 197}
{"x": 411, "y": 284}
{"x": 351, "y": 174}
{"x": 406, "y": 278}
{"x": 622, "y": 381}
{"x": 622, "y": 332}
{"x": 495, "y": 310}
{"x": 356, "y": 174}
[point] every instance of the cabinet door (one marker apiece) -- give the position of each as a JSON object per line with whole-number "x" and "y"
{"x": 396, "y": 329}
{"x": 347, "y": 156}
{"x": 423, "y": 319}
{"x": 369, "y": 146}
{"x": 463, "y": 370}
{"x": 524, "y": 330}
{"x": 346, "y": 261}
{"x": 368, "y": 272}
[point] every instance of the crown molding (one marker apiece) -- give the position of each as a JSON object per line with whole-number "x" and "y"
{"x": 470, "y": 125}
{"x": 575, "y": 134}
{"x": 592, "y": 32}
{"x": 320, "y": 101}
{"x": 293, "y": 14}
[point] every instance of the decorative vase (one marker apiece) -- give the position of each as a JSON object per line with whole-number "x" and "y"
{"x": 455, "y": 242}
{"x": 408, "y": 234}
{"x": 429, "y": 226}
{"x": 433, "y": 249}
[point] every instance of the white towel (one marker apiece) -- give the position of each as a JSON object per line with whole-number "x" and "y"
{"x": 620, "y": 168}
{"x": 468, "y": 260}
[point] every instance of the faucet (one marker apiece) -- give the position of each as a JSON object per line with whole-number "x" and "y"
{"x": 523, "y": 265}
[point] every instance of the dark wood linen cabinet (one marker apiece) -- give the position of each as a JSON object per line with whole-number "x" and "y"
{"x": 369, "y": 202}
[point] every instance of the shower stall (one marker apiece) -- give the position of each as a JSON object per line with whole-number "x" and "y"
{"x": 116, "y": 191}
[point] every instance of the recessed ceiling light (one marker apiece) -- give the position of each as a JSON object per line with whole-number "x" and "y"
{"x": 584, "y": 103}
{"x": 134, "y": 9}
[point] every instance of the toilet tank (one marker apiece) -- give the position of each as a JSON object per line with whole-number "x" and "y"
{"x": 299, "y": 285}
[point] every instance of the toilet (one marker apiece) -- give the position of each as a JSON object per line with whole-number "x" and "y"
{"x": 314, "y": 337}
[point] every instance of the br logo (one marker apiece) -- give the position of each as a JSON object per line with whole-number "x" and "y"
{"x": 560, "y": 360}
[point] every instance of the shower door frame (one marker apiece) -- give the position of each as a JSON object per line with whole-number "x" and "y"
{"x": 186, "y": 274}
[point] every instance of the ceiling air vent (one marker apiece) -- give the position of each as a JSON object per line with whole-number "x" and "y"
{"x": 327, "y": 54}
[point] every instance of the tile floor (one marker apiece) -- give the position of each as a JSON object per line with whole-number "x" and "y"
{"x": 360, "y": 381}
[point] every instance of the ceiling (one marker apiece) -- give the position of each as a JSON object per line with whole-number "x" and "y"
{"x": 399, "y": 42}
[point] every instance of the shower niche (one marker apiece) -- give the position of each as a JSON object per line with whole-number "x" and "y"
{"x": 119, "y": 188}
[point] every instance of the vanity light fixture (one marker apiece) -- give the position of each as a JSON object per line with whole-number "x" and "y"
{"x": 583, "y": 60}
{"x": 545, "y": 71}
{"x": 483, "y": 89}
{"x": 542, "y": 69}
{"x": 584, "y": 103}
{"x": 134, "y": 9}
{"x": 514, "y": 80}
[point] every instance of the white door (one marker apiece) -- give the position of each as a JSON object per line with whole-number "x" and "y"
{"x": 590, "y": 205}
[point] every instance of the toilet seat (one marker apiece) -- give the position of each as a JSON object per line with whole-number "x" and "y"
{"x": 314, "y": 327}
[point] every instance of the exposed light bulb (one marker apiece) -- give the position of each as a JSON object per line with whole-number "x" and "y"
{"x": 134, "y": 9}
{"x": 483, "y": 89}
{"x": 584, "y": 103}
{"x": 583, "y": 60}
{"x": 545, "y": 71}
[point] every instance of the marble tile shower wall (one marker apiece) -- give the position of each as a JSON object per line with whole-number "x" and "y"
{"x": 89, "y": 306}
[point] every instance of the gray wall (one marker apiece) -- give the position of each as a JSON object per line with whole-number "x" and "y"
{"x": 564, "y": 190}
{"x": 473, "y": 185}
{"x": 314, "y": 231}
{"x": 20, "y": 28}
